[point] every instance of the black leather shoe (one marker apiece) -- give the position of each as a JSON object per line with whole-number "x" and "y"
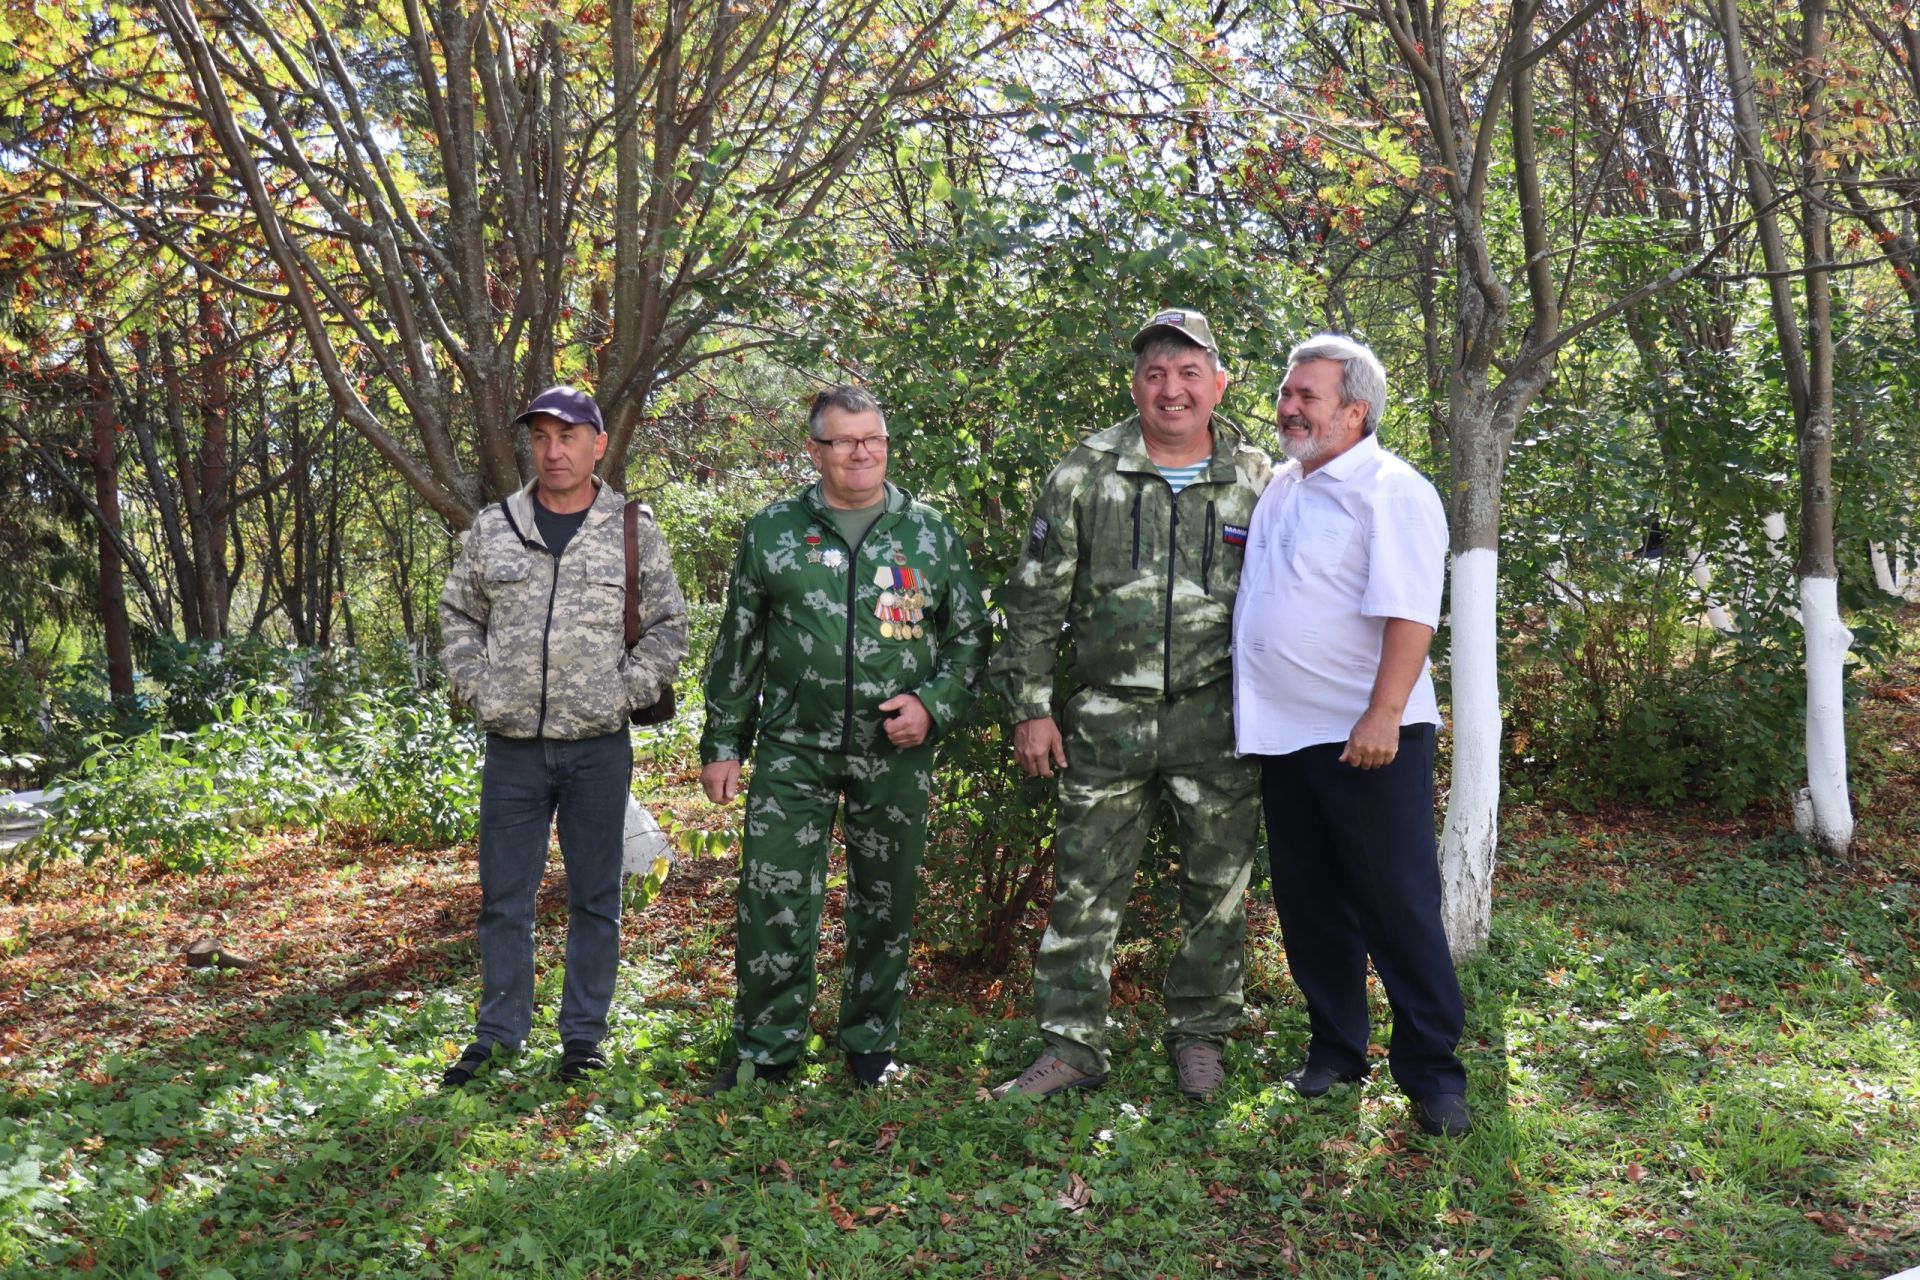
{"x": 1311, "y": 1080}
{"x": 1443, "y": 1114}
{"x": 461, "y": 1073}
{"x": 580, "y": 1059}
{"x": 727, "y": 1078}
{"x": 870, "y": 1070}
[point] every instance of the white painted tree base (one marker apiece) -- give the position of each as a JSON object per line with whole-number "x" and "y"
{"x": 1702, "y": 574}
{"x": 1472, "y": 829}
{"x": 1823, "y": 814}
{"x": 1893, "y": 572}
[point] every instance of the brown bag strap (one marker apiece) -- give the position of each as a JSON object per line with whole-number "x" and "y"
{"x": 633, "y": 573}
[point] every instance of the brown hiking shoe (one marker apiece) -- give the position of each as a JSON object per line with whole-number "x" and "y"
{"x": 1199, "y": 1070}
{"x": 1047, "y": 1076}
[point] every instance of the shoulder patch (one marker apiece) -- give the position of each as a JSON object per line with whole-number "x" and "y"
{"x": 1234, "y": 535}
{"x": 1037, "y": 538}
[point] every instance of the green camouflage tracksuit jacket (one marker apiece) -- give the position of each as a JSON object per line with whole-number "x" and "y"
{"x": 808, "y": 649}
{"x": 534, "y": 642}
{"x": 1144, "y": 583}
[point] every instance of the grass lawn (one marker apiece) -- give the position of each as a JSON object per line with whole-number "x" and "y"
{"x": 1692, "y": 1049}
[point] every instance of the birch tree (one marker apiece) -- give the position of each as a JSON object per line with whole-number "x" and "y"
{"x": 1823, "y": 812}
{"x": 1473, "y": 72}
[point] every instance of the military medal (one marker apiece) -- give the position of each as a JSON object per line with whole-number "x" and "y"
{"x": 833, "y": 557}
{"x": 813, "y": 546}
{"x": 900, "y": 606}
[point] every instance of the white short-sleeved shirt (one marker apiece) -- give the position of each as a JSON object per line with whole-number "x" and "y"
{"x": 1330, "y": 557}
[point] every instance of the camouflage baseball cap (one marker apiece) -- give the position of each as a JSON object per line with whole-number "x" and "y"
{"x": 1181, "y": 321}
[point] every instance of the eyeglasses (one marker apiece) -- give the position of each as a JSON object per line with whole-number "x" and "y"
{"x": 847, "y": 446}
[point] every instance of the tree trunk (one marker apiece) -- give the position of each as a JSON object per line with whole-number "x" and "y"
{"x": 115, "y": 629}
{"x": 1822, "y": 812}
{"x": 1829, "y": 817}
{"x": 210, "y": 531}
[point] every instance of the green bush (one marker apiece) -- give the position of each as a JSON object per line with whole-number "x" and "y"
{"x": 990, "y": 848}
{"x": 356, "y": 748}
{"x": 191, "y": 800}
{"x": 989, "y": 843}
{"x": 413, "y": 771}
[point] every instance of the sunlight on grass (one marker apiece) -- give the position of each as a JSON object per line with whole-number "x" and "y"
{"x": 1710, "y": 1074}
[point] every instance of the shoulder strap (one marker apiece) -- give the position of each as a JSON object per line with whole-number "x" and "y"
{"x": 632, "y": 518}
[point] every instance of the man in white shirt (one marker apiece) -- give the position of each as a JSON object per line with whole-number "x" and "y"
{"x": 1346, "y": 560}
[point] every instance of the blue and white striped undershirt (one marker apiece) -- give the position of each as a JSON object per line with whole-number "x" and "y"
{"x": 1181, "y": 477}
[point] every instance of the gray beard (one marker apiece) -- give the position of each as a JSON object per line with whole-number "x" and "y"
{"x": 1302, "y": 451}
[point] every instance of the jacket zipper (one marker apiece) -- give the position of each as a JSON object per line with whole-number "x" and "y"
{"x": 546, "y": 631}
{"x": 1137, "y": 491}
{"x": 1173, "y": 554}
{"x": 853, "y": 588}
{"x": 546, "y": 638}
{"x": 1206, "y": 554}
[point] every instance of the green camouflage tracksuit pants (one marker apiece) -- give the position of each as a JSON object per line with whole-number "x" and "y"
{"x": 791, "y": 806}
{"x": 1125, "y": 750}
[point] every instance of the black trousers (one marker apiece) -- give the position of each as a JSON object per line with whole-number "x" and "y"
{"x": 1356, "y": 873}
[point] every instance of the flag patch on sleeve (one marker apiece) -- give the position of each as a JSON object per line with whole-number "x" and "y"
{"x": 1234, "y": 535}
{"x": 1037, "y": 539}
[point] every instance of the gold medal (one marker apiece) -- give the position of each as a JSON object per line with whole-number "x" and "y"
{"x": 886, "y": 629}
{"x": 917, "y": 632}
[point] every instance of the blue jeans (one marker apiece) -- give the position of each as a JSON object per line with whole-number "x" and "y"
{"x": 523, "y": 784}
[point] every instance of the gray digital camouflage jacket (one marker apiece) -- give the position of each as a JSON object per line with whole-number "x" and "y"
{"x": 807, "y": 651}
{"x": 1143, "y": 581}
{"x": 534, "y": 642}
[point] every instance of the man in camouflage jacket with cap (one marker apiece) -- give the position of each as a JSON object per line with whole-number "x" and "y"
{"x": 533, "y": 616}
{"x": 854, "y": 633}
{"x": 1135, "y": 548}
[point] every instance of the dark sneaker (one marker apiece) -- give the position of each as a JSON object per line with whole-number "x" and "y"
{"x": 580, "y": 1059}
{"x": 727, "y": 1078}
{"x": 462, "y": 1072}
{"x": 1444, "y": 1115}
{"x": 1199, "y": 1069}
{"x": 1047, "y": 1076}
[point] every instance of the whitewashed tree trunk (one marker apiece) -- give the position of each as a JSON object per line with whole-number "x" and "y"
{"x": 1821, "y": 811}
{"x": 1893, "y": 572}
{"x": 1471, "y": 833}
{"x": 1884, "y": 575}
{"x": 1823, "y": 814}
{"x": 1702, "y": 574}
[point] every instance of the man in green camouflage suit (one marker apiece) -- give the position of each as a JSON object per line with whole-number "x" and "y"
{"x": 1135, "y": 548}
{"x": 533, "y": 614}
{"x": 854, "y": 633}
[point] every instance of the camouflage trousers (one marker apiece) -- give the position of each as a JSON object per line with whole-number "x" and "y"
{"x": 1125, "y": 751}
{"x": 792, "y": 802}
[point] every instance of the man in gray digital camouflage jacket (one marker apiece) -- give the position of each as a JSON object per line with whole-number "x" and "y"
{"x": 1135, "y": 551}
{"x": 533, "y": 616}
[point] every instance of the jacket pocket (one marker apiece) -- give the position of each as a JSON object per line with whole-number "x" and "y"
{"x": 775, "y": 706}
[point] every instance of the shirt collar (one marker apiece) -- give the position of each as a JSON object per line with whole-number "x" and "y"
{"x": 1344, "y": 467}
